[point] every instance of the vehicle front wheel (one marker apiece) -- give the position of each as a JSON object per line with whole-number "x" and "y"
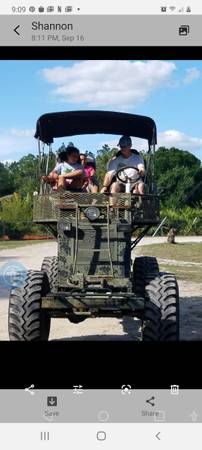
{"x": 50, "y": 267}
{"x": 160, "y": 316}
{"x": 26, "y": 320}
{"x": 160, "y": 320}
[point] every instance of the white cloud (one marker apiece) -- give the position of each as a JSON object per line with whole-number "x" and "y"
{"x": 8, "y": 161}
{"x": 192, "y": 74}
{"x": 16, "y": 142}
{"x": 108, "y": 83}
{"x": 179, "y": 139}
{"x": 170, "y": 138}
{"x": 22, "y": 133}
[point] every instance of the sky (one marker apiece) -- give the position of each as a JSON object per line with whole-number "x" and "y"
{"x": 168, "y": 91}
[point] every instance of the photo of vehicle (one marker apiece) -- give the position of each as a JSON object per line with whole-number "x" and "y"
{"x": 93, "y": 276}
{"x": 100, "y": 218}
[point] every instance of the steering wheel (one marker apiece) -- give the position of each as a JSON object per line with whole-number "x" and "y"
{"x": 128, "y": 174}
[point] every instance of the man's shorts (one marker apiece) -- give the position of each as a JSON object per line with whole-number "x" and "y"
{"x": 122, "y": 186}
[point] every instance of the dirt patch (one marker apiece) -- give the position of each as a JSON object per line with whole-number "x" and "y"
{"x": 104, "y": 329}
{"x": 190, "y": 310}
{"x": 183, "y": 259}
{"x": 183, "y": 252}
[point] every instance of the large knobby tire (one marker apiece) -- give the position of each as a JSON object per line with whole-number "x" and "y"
{"x": 50, "y": 267}
{"x": 160, "y": 317}
{"x": 142, "y": 267}
{"x": 26, "y": 320}
{"x": 160, "y": 320}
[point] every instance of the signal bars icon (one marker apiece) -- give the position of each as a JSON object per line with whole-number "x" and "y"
{"x": 182, "y": 9}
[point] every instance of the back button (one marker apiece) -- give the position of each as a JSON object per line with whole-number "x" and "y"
{"x": 16, "y": 30}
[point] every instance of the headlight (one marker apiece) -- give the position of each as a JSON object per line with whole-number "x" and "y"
{"x": 92, "y": 213}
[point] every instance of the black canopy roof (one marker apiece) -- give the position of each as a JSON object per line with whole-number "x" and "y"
{"x": 70, "y": 123}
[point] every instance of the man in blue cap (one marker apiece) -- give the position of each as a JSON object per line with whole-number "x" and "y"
{"x": 127, "y": 157}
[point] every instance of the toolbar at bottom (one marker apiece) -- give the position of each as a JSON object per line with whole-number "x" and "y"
{"x": 96, "y": 436}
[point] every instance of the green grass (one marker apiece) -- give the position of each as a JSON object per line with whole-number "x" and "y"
{"x": 184, "y": 273}
{"x": 5, "y": 245}
{"x": 180, "y": 252}
{"x": 177, "y": 254}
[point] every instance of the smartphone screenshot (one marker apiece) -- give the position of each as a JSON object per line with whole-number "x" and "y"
{"x": 100, "y": 224}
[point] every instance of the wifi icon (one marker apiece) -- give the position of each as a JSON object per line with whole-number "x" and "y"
{"x": 172, "y": 8}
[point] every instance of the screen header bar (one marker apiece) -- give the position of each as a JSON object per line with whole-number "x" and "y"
{"x": 100, "y": 31}
{"x": 78, "y": 7}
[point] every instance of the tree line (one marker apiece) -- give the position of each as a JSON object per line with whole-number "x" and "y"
{"x": 178, "y": 174}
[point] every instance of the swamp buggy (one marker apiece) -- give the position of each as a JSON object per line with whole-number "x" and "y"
{"x": 93, "y": 274}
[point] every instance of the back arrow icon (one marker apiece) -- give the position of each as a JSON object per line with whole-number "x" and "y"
{"x": 16, "y": 28}
{"x": 157, "y": 436}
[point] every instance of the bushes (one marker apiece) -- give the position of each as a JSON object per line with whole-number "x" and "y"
{"x": 180, "y": 173}
{"x": 7, "y": 183}
{"x": 16, "y": 216}
{"x": 187, "y": 221}
{"x": 16, "y": 219}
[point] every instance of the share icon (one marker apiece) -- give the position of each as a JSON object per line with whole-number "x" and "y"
{"x": 30, "y": 389}
{"x": 151, "y": 401}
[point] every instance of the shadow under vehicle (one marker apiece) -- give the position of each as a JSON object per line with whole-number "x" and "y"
{"x": 93, "y": 274}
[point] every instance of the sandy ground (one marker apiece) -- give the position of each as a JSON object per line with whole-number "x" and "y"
{"x": 161, "y": 240}
{"x": 102, "y": 329}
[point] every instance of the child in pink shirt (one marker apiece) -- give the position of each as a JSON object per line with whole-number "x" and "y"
{"x": 90, "y": 182}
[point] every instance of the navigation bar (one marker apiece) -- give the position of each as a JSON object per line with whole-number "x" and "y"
{"x": 93, "y": 436}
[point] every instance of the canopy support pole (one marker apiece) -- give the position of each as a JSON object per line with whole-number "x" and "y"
{"x": 154, "y": 190}
{"x": 39, "y": 150}
{"x": 40, "y": 166}
{"x": 147, "y": 173}
{"x": 48, "y": 158}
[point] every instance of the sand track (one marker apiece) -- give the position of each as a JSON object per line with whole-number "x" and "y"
{"x": 105, "y": 328}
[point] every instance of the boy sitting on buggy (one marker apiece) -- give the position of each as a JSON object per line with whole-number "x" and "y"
{"x": 67, "y": 174}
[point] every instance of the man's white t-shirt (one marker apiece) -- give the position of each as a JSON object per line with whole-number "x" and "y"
{"x": 134, "y": 161}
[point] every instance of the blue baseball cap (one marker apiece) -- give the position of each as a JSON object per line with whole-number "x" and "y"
{"x": 125, "y": 141}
